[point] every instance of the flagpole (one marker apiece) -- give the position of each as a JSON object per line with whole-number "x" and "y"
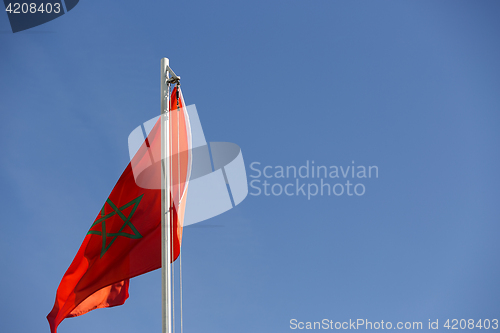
{"x": 166, "y": 246}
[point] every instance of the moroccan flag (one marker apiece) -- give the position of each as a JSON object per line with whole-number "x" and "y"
{"x": 125, "y": 239}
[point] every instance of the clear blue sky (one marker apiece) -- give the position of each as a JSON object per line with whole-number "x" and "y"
{"x": 412, "y": 87}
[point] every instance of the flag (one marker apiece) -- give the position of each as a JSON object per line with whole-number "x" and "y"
{"x": 125, "y": 239}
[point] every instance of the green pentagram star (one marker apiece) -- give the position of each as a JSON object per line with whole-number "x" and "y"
{"x": 126, "y": 221}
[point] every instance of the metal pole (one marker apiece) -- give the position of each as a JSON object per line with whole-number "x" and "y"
{"x": 166, "y": 272}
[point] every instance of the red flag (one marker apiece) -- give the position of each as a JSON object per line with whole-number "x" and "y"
{"x": 125, "y": 239}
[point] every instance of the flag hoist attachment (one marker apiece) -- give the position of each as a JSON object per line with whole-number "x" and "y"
{"x": 139, "y": 227}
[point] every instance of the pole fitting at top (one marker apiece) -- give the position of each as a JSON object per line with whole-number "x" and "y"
{"x": 174, "y": 78}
